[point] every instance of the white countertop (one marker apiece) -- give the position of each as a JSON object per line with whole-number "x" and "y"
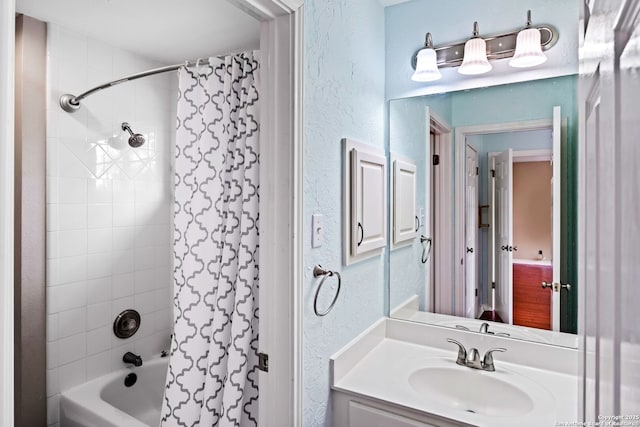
{"x": 378, "y": 367}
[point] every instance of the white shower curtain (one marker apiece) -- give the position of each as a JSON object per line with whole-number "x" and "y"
{"x": 213, "y": 370}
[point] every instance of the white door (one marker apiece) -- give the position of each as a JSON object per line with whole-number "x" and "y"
{"x": 555, "y": 208}
{"x": 609, "y": 202}
{"x": 471, "y": 231}
{"x": 504, "y": 233}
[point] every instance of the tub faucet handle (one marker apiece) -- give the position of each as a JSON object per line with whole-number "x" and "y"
{"x": 462, "y": 352}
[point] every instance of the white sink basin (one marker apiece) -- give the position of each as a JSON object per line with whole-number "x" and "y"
{"x": 477, "y": 393}
{"x": 472, "y": 391}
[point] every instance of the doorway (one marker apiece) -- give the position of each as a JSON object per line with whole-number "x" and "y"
{"x": 521, "y": 208}
{"x": 490, "y": 222}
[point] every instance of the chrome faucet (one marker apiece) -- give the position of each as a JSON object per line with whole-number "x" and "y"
{"x": 484, "y": 328}
{"x": 471, "y": 358}
{"x": 131, "y": 358}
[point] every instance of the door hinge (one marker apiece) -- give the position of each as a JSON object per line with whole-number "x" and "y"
{"x": 493, "y": 173}
{"x": 436, "y": 159}
{"x": 477, "y": 171}
{"x": 493, "y": 285}
{"x": 476, "y": 291}
{"x": 263, "y": 362}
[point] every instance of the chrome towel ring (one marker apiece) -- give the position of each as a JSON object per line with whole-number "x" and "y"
{"x": 317, "y": 272}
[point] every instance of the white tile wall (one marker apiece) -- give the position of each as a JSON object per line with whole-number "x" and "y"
{"x": 108, "y": 211}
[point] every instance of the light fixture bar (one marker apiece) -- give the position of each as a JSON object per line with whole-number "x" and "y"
{"x": 498, "y": 47}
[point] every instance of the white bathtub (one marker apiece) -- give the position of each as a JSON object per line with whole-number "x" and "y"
{"x": 107, "y": 402}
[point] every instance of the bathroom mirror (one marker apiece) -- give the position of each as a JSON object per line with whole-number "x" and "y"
{"x": 495, "y": 199}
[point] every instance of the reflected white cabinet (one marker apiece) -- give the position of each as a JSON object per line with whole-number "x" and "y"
{"x": 404, "y": 221}
{"x": 365, "y": 201}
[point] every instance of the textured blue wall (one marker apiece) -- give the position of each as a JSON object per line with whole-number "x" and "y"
{"x": 513, "y": 102}
{"x": 407, "y": 138}
{"x": 343, "y": 97}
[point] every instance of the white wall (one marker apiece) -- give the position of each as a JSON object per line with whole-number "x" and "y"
{"x": 108, "y": 211}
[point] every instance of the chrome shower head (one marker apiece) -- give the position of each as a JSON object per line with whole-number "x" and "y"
{"x": 135, "y": 139}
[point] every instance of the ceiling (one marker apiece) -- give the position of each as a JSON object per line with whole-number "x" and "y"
{"x": 168, "y": 31}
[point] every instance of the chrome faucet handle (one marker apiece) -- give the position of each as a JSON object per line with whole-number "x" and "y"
{"x": 462, "y": 328}
{"x": 462, "y": 352}
{"x": 487, "y": 363}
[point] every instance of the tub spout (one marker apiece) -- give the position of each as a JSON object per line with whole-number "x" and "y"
{"x": 134, "y": 359}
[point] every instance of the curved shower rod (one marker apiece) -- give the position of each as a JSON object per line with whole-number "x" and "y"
{"x": 71, "y": 103}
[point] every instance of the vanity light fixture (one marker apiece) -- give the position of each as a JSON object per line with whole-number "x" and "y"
{"x": 473, "y": 56}
{"x": 426, "y": 63}
{"x": 528, "y": 49}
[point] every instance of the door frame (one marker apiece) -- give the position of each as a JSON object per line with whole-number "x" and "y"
{"x": 441, "y": 210}
{"x": 459, "y": 238}
{"x": 7, "y": 65}
{"x": 281, "y": 193}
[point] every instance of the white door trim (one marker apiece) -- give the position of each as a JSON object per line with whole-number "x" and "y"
{"x": 556, "y": 236}
{"x": 442, "y": 245}
{"x": 281, "y": 49}
{"x": 461, "y": 134}
{"x": 471, "y": 301}
{"x": 7, "y": 65}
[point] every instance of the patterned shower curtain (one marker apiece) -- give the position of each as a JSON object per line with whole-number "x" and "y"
{"x": 213, "y": 371}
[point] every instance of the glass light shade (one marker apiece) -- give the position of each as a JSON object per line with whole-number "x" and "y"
{"x": 475, "y": 57}
{"x": 528, "y": 50}
{"x": 426, "y": 66}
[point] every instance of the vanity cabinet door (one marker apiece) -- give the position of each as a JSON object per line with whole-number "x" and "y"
{"x": 404, "y": 202}
{"x": 369, "y": 185}
{"x": 366, "y": 416}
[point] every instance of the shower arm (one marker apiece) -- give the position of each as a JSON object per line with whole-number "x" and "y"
{"x": 71, "y": 103}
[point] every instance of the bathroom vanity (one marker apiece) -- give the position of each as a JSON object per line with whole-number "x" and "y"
{"x": 404, "y": 374}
